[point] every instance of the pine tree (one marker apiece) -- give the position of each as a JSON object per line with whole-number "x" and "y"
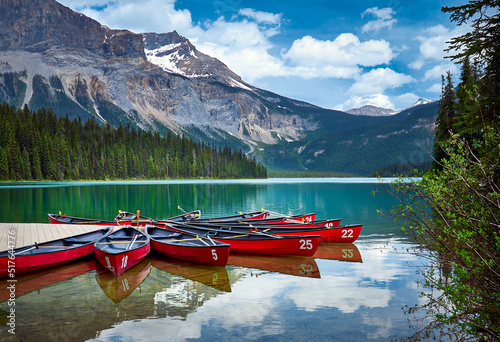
{"x": 26, "y": 165}
{"x": 445, "y": 122}
{"x": 35, "y": 165}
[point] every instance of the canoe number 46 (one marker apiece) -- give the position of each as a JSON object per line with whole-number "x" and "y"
{"x": 347, "y": 233}
{"x": 305, "y": 244}
{"x": 214, "y": 254}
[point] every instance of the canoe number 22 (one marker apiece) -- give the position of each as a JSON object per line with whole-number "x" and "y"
{"x": 347, "y": 233}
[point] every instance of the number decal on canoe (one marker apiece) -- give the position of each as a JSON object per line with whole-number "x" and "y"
{"x": 329, "y": 225}
{"x": 347, "y": 233}
{"x": 306, "y": 244}
{"x": 214, "y": 254}
{"x": 124, "y": 261}
{"x": 107, "y": 262}
{"x": 347, "y": 253}
{"x": 306, "y": 269}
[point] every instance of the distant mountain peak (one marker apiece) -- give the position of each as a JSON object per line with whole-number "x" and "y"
{"x": 421, "y": 101}
{"x": 370, "y": 110}
{"x": 175, "y": 54}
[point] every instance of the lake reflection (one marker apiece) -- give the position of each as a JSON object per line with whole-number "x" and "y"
{"x": 346, "y": 292}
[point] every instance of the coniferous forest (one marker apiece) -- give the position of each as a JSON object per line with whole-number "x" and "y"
{"x": 41, "y": 146}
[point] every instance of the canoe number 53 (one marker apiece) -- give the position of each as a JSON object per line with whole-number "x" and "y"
{"x": 214, "y": 254}
{"x": 305, "y": 244}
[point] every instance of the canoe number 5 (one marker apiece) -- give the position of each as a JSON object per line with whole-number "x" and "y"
{"x": 214, "y": 254}
{"x": 347, "y": 233}
{"x": 305, "y": 244}
{"x": 107, "y": 262}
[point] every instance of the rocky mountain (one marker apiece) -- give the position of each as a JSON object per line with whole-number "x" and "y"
{"x": 54, "y": 57}
{"x": 370, "y": 110}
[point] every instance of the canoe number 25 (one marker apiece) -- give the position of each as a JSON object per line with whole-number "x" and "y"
{"x": 214, "y": 254}
{"x": 306, "y": 244}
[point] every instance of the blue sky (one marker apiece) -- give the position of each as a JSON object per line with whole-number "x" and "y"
{"x": 333, "y": 54}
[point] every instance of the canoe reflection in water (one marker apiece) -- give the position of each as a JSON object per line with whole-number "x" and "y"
{"x": 33, "y": 281}
{"x": 120, "y": 287}
{"x": 213, "y": 276}
{"x": 285, "y": 264}
{"x": 338, "y": 251}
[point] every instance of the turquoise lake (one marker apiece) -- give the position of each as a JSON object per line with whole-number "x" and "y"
{"x": 345, "y": 292}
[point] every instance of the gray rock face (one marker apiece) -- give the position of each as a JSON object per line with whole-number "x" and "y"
{"x": 67, "y": 61}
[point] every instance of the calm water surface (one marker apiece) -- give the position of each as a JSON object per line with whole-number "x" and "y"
{"x": 345, "y": 292}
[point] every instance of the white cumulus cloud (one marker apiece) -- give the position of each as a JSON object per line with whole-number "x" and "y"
{"x": 340, "y": 57}
{"x": 378, "y": 100}
{"x": 261, "y": 17}
{"x": 378, "y": 80}
{"x": 384, "y": 19}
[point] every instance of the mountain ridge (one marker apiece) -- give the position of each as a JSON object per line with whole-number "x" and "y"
{"x": 54, "y": 57}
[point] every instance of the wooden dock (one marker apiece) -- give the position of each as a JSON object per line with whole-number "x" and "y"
{"x": 25, "y": 234}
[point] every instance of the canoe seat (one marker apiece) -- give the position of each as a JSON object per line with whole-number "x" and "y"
{"x": 123, "y": 238}
{"x": 70, "y": 240}
{"x": 165, "y": 237}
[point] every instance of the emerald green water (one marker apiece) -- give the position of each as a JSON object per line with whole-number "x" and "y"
{"x": 352, "y": 292}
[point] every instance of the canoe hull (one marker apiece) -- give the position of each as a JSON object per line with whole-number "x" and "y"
{"x": 41, "y": 258}
{"x": 346, "y": 234}
{"x": 26, "y": 264}
{"x": 62, "y": 219}
{"x": 125, "y": 219}
{"x": 256, "y": 243}
{"x": 209, "y": 255}
{"x": 121, "y": 262}
{"x": 290, "y": 245}
{"x": 115, "y": 256}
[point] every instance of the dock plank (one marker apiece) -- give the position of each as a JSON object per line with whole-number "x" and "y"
{"x": 21, "y": 235}
{"x": 5, "y": 233}
{"x": 26, "y": 234}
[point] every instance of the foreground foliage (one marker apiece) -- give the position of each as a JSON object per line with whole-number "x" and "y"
{"x": 453, "y": 213}
{"x": 40, "y": 146}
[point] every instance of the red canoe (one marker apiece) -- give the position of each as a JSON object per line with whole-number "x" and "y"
{"x": 256, "y": 242}
{"x": 287, "y": 224}
{"x": 288, "y": 219}
{"x": 48, "y": 254}
{"x": 344, "y": 234}
{"x": 122, "y": 249}
{"x": 258, "y": 215}
{"x": 124, "y": 218}
{"x": 188, "y": 247}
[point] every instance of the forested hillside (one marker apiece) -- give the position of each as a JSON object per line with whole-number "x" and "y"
{"x": 40, "y": 146}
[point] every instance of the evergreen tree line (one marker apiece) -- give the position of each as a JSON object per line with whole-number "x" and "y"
{"x": 41, "y": 146}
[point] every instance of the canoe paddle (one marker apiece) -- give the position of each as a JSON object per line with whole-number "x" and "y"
{"x": 133, "y": 241}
